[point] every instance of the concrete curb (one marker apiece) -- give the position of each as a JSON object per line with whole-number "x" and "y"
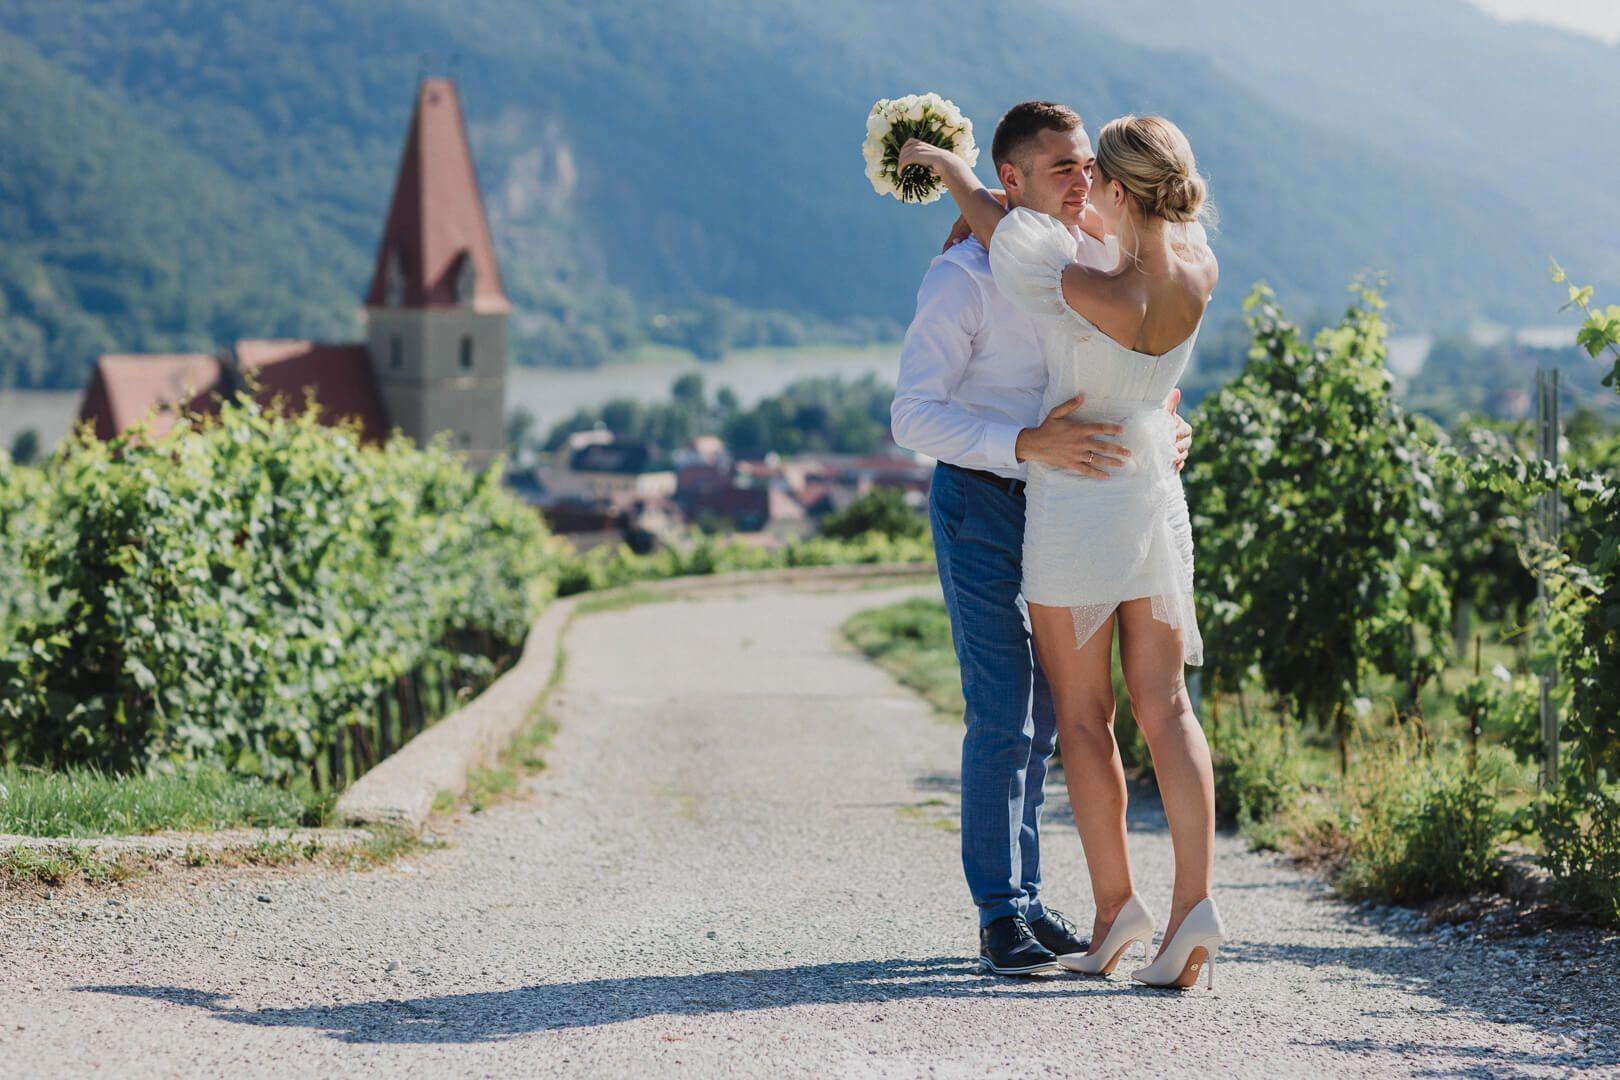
{"x": 400, "y": 790}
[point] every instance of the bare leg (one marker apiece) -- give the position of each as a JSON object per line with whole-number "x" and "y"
{"x": 1150, "y": 652}
{"x": 1083, "y": 699}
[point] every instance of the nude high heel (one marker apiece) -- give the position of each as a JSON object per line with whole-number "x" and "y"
{"x": 1197, "y": 939}
{"x": 1133, "y": 923}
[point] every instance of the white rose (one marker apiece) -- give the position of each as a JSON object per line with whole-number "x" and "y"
{"x": 872, "y": 152}
{"x": 915, "y": 112}
{"x": 878, "y": 126}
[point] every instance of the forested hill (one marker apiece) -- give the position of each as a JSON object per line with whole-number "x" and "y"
{"x": 179, "y": 171}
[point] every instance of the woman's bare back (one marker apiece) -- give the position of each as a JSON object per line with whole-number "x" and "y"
{"x": 1150, "y": 305}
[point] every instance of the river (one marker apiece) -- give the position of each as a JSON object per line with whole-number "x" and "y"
{"x": 551, "y": 394}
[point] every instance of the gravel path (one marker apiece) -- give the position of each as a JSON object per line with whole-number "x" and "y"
{"x": 743, "y": 862}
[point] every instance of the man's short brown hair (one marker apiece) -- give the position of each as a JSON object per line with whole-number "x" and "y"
{"x": 1022, "y": 123}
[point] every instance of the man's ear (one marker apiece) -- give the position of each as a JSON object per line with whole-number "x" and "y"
{"x": 1011, "y": 179}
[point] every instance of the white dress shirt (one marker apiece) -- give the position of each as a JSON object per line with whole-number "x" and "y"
{"x": 971, "y": 370}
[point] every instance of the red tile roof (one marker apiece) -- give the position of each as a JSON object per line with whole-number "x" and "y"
{"x": 341, "y": 376}
{"x": 436, "y": 220}
{"x": 123, "y": 388}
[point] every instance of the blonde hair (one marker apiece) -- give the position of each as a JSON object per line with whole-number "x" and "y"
{"x": 1153, "y": 161}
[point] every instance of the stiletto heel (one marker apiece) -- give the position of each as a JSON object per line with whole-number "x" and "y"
{"x": 1194, "y": 945}
{"x": 1133, "y": 923}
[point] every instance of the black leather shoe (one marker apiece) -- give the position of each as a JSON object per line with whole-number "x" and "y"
{"x": 1008, "y": 947}
{"x": 1057, "y": 933}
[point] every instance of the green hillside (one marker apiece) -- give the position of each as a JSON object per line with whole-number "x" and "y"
{"x": 670, "y": 171}
{"x": 1520, "y": 114}
{"x": 116, "y": 235}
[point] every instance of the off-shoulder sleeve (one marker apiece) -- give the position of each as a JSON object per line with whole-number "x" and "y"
{"x": 1027, "y": 256}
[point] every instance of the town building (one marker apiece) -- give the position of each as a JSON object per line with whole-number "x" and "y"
{"x": 435, "y": 355}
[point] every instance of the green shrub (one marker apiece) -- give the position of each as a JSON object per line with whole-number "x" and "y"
{"x": 1579, "y": 826}
{"x": 25, "y": 518}
{"x": 881, "y": 510}
{"x": 1416, "y": 829}
{"x": 235, "y": 591}
{"x": 606, "y": 568}
{"x": 1255, "y": 774}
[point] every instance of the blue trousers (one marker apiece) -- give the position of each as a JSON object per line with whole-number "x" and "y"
{"x": 1011, "y": 729}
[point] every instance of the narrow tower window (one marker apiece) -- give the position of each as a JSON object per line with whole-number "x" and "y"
{"x": 394, "y": 283}
{"x": 466, "y": 280}
{"x": 396, "y": 353}
{"x": 467, "y": 353}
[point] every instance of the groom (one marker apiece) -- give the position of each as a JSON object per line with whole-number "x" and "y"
{"x": 969, "y": 395}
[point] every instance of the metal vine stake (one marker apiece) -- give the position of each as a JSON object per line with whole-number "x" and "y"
{"x": 1550, "y": 520}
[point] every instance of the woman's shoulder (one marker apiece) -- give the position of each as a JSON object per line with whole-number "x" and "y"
{"x": 1197, "y": 258}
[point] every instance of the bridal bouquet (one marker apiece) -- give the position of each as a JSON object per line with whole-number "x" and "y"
{"x": 928, "y": 117}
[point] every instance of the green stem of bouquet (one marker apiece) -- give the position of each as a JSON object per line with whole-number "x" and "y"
{"x": 915, "y": 183}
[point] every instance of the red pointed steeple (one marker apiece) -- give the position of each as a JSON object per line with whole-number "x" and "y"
{"x": 436, "y": 249}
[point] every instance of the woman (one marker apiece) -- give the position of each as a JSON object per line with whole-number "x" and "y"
{"x": 1117, "y": 552}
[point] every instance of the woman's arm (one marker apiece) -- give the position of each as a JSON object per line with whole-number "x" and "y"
{"x": 961, "y": 230}
{"x": 978, "y": 206}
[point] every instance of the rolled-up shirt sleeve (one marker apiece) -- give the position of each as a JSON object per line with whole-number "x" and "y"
{"x": 951, "y": 312}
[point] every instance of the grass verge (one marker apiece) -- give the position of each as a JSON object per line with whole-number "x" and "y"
{"x": 69, "y": 863}
{"x": 83, "y": 802}
{"x": 1409, "y": 824}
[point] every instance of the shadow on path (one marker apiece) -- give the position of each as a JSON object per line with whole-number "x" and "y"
{"x": 495, "y": 1015}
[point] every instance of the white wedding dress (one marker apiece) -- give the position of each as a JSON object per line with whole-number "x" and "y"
{"x": 1090, "y": 544}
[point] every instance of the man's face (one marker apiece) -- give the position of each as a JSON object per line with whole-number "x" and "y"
{"x": 1052, "y": 174}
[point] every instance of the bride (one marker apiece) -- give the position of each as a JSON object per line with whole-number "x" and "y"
{"x": 1117, "y": 552}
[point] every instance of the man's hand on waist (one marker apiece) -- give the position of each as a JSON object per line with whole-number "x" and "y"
{"x": 1183, "y": 430}
{"x": 1079, "y": 446}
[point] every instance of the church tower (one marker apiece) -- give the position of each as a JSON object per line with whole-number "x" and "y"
{"x": 436, "y": 311}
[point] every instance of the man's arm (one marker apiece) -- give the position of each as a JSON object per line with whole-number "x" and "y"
{"x": 933, "y": 360}
{"x": 938, "y": 346}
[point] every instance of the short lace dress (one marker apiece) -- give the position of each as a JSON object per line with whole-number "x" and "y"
{"x": 1090, "y": 544}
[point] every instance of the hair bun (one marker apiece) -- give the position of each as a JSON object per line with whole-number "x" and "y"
{"x": 1181, "y": 196}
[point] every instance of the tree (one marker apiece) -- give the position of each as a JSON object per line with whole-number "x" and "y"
{"x": 519, "y": 431}
{"x": 25, "y": 447}
{"x": 881, "y": 510}
{"x": 1316, "y": 518}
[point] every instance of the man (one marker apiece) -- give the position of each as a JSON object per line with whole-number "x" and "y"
{"x": 969, "y": 395}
